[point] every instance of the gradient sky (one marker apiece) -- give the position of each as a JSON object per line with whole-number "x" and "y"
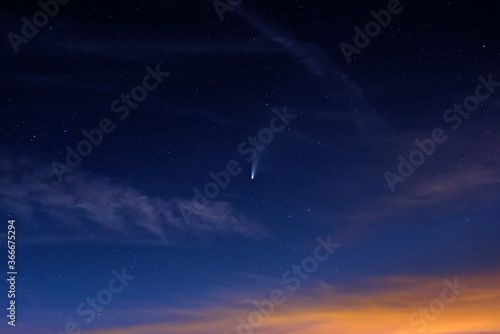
{"x": 322, "y": 176}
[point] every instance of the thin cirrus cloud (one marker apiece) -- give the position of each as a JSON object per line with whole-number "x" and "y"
{"x": 88, "y": 209}
{"x": 436, "y": 191}
{"x": 319, "y": 64}
{"x": 380, "y": 306}
{"x": 109, "y": 45}
{"x": 471, "y": 174}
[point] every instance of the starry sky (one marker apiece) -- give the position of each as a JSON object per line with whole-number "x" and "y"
{"x": 224, "y": 146}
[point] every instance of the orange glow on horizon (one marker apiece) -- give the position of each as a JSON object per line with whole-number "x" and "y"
{"x": 383, "y": 307}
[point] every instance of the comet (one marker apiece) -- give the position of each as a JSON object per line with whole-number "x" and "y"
{"x": 255, "y": 162}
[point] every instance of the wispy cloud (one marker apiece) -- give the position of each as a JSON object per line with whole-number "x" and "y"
{"x": 89, "y": 208}
{"x": 461, "y": 172}
{"x": 317, "y": 61}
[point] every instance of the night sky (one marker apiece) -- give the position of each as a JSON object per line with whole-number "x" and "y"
{"x": 248, "y": 166}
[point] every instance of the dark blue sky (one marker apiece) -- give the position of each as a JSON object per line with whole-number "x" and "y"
{"x": 322, "y": 175}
